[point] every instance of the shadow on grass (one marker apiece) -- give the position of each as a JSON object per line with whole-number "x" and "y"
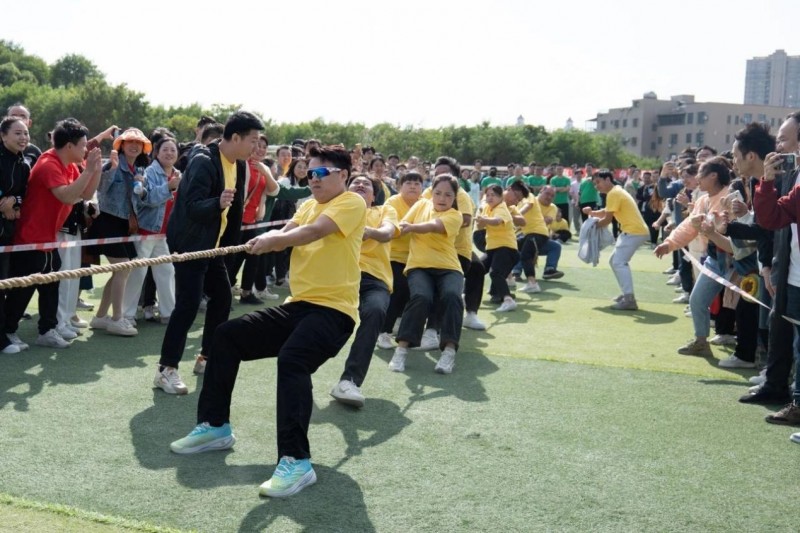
{"x": 641, "y": 316}
{"x": 335, "y": 500}
{"x": 26, "y": 374}
{"x": 379, "y": 419}
{"x": 722, "y": 382}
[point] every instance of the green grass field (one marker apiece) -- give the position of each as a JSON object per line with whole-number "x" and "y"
{"x": 563, "y": 416}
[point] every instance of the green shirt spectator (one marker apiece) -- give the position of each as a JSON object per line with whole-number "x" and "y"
{"x": 535, "y": 182}
{"x": 561, "y": 197}
{"x": 587, "y": 194}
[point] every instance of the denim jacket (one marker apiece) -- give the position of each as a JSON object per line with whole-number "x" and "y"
{"x": 115, "y": 189}
{"x": 151, "y": 205}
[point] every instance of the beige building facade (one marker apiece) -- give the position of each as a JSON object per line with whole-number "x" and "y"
{"x": 662, "y": 128}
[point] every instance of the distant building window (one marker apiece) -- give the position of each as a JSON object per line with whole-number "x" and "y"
{"x": 762, "y": 118}
{"x": 736, "y": 122}
{"x": 673, "y": 139}
{"x": 634, "y": 141}
{"x": 729, "y": 119}
{"x": 602, "y": 124}
{"x": 728, "y": 139}
{"x": 653, "y": 146}
{"x": 688, "y": 138}
{"x": 616, "y": 124}
{"x": 747, "y": 118}
{"x": 702, "y": 117}
{"x": 700, "y": 138}
{"x": 690, "y": 118}
{"x": 655, "y": 127}
{"x": 624, "y": 122}
{"x": 772, "y": 122}
{"x": 636, "y": 123}
{"x": 672, "y": 120}
{"x": 660, "y": 140}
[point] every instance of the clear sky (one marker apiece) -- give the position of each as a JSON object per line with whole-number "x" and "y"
{"x": 415, "y": 62}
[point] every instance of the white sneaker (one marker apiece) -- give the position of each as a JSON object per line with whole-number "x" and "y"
{"x": 674, "y": 279}
{"x": 398, "y": 362}
{"x": 51, "y": 339}
{"x": 532, "y": 288}
{"x": 149, "y": 313}
{"x": 508, "y": 305}
{"x": 429, "y": 341}
{"x": 396, "y": 327}
{"x": 723, "y": 340}
{"x": 14, "y": 338}
{"x": 682, "y": 299}
{"x": 199, "y": 365}
{"x": 11, "y": 348}
{"x": 169, "y": 381}
{"x": 266, "y": 295}
{"x": 446, "y": 362}
{"x": 78, "y": 322}
{"x": 385, "y": 341}
{"x": 760, "y": 379}
{"x": 795, "y": 437}
{"x": 511, "y": 283}
{"x": 735, "y": 362}
{"x": 98, "y": 322}
{"x": 348, "y": 393}
{"x": 670, "y": 271}
{"x": 121, "y": 327}
{"x": 236, "y": 290}
{"x": 472, "y": 321}
{"x": 66, "y": 332}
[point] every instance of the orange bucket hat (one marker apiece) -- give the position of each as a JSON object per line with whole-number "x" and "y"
{"x": 133, "y": 134}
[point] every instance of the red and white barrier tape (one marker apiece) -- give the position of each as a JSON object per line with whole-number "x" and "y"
{"x": 735, "y": 288}
{"x": 111, "y": 240}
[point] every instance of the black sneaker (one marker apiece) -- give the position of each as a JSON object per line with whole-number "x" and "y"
{"x": 251, "y": 299}
{"x": 552, "y": 274}
{"x": 767, "y": 395}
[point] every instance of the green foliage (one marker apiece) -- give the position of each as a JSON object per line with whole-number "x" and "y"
{"x": 74, "y": 87}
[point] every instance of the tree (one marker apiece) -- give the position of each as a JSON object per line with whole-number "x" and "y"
{"x": 73, "y": 69}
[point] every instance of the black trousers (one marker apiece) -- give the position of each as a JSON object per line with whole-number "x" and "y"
{"x": 564, "y": 208}
{"x": 593, "y": 205}
{"x": 192, "y": 280}
{"x": 17, "y": 300}
{"x": 686, "y": 273}
{"x": 373, "y": 301}
{"x": 302, "y": 336}
{"x": 499, "y": 262}
{"x": 233, "y": 262}
{"x": 746, "y": 330}
{"x": 474, "y": 278}
{"x": 398, "y": 298}
{"x": 529, "y": 250}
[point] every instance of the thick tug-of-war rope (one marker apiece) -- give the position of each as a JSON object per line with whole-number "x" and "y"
{"x": 41, "y": 279}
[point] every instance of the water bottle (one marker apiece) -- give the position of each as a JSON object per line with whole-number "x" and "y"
{"x": 138, "y": 188}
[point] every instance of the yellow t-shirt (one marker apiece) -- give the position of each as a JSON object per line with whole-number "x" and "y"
{"x": 501, "y": 236}
{"x": 625, "y": 211}
{"x": 534, "y": 220}
{"x": 466, "y": 208}
{"x": 399, "y": 248}
{"x": 559, "y": 225}
{"x": 548, "y": 211}
{"x": 325, "y": 272}
{"x": 433, "y": 250}
{"x": 375, "y": 255}
{"x": 229, "y": 174}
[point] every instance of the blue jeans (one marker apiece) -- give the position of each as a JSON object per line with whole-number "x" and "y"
{"x": 425, "y": 285}
{"x": 793, "y": 311}
{"x": 703, "y": 293}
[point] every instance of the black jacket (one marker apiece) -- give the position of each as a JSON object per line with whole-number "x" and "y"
{"x": 196, "y": 217}
{"x": 14, "y": 173}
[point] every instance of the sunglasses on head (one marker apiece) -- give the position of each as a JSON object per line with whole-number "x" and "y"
{"x": 321, "y": 172}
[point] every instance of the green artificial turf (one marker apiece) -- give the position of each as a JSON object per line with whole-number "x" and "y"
{"x": 562, "y": 416}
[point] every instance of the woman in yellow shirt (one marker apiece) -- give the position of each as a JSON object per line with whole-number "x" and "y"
{"x": 376, "y": 280}
{"x": 501, "y": 245}
{"x": 410, "y": 187}
{"x": 433, "y": 269}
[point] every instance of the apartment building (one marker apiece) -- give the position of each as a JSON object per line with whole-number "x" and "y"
{"x": 650, "y": 127}
{"x": 773, "y": 80}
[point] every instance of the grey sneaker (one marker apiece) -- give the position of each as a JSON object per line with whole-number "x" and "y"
{"x": 347, "y": 392}
{"x": 695, "y": 347}
{"x": 51, "y": 339}
{"x": 627, "y": 303}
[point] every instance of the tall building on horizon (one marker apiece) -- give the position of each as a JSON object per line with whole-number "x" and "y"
{"x": 773, "y": 80}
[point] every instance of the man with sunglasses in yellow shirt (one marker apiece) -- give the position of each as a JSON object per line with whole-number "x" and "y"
{"x": 302, "y": 333}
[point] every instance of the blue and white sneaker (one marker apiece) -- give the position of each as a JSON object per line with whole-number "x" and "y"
{"x": 205, "y": 437}
{"x": 290, "y": 477}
